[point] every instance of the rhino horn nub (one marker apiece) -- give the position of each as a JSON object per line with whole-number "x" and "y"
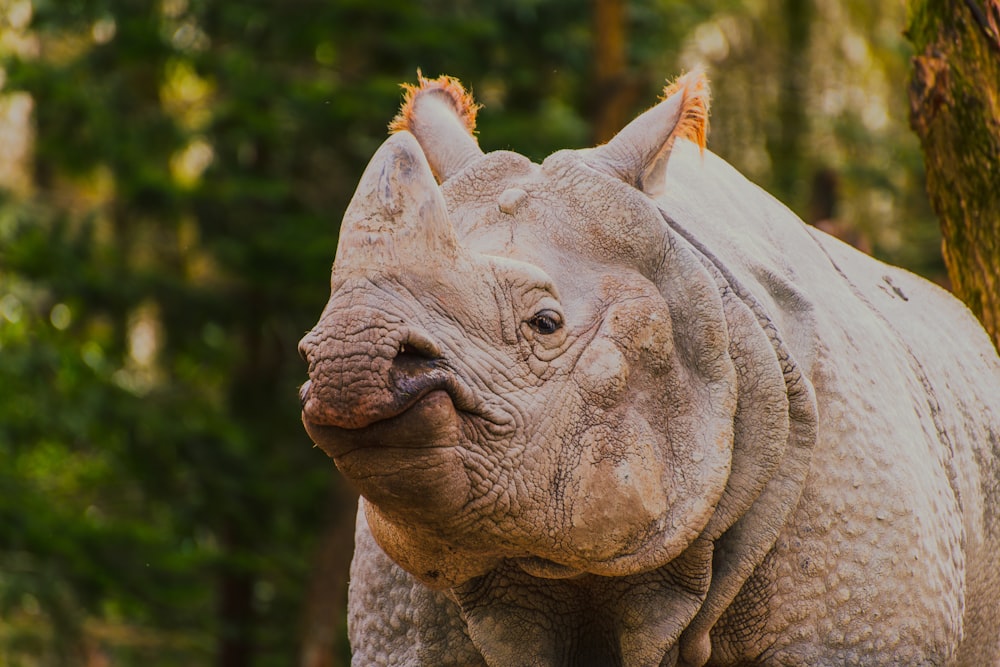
{"x": 398, "y": 213}
{"x": 639, "y": 153}
{"x": 442, "y": 116}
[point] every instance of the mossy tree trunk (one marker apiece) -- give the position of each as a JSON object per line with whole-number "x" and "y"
{"x": 789, "y": 129}
{"x": 955, "y": 109}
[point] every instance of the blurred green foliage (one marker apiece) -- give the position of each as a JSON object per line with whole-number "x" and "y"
{"x": 167, "y": 239}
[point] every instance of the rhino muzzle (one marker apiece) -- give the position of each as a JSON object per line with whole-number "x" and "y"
{"x": 401, "y": 369}
{"x": 390, "y": 423}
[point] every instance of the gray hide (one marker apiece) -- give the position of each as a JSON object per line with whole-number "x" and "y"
{"x": 600, "y": 415}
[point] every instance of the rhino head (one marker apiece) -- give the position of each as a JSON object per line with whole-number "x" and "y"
{"x": 523, "y": 369}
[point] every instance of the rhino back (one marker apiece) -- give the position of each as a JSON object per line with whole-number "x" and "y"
{"x": 900, "y": 500}
{"x": 960, "y": 374}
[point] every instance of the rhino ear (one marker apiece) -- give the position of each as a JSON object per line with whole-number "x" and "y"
{"x": 442, "y": 116}
{"x": 639, "y": 153}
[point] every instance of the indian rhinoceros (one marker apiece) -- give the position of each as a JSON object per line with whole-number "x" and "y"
{"x": 624, "y": 408}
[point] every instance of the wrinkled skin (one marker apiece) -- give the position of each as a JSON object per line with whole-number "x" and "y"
{"x": 602, "y": 411}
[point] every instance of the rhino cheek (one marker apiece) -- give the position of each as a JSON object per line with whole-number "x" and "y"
{"x": 635, "y": 331}
{"x": 648, "y": 476}
{"x": 602, "y": 372}
{"x": 620, "y": 492}
{"x": 621, "y": 495}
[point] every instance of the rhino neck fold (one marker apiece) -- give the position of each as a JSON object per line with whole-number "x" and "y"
{"x": 516, "y": 619}
{"x": 776, "y": 426}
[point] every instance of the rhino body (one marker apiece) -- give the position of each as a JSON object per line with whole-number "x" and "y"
{"x": 624, "y": 408}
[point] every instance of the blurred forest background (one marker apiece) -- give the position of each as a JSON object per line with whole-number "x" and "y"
{"x": 172, "y": 175}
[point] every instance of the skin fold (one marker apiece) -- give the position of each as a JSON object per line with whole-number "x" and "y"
{"x": 624, "y": 408}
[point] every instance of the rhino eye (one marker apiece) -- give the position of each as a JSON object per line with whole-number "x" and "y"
{"x": 546, "y": 322}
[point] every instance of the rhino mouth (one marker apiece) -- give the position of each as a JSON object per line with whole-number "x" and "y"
{"x": 427, "y": 419}
{"x": 543, "y": 568}
{"x": 410, "y": 464}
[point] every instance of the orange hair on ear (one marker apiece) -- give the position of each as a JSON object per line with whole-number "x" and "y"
{"x": 693, "y": 123}
{"x": 447, "y": 86}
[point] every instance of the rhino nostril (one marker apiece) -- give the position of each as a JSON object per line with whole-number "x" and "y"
{"x": 415, "y": 369}
{"x": 417, "y": 346}
{"x": 406, "y": 350}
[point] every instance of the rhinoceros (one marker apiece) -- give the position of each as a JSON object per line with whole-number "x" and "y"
{"x": 624, "y": 408}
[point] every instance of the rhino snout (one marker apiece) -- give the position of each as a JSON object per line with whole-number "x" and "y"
{"x": 357, "y": 381}
{"x": 382, "y": 404}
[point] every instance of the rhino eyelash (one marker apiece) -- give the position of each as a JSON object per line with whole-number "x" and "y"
{"x": 546, "y": 322}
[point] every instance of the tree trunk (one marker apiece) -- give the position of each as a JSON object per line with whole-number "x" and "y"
{"x": 787, "y": 134}
{"x": 955, "y": 109}
{"x": 325, "y": 618}
{"x": 236, "y": 613}
{"x": 615, "y": 89}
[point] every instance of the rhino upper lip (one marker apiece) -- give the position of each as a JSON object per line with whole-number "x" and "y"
{"x": 400, "y": 424}
{"x": 400, "y": 431}
{"x": 413, "y": 379}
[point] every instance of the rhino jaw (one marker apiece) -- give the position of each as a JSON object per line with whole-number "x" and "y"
{"x": 391, "y": 423}
{"x": 409, "y": 464}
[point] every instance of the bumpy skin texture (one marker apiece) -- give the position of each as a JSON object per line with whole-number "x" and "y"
{"x": 623, "y": 408}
